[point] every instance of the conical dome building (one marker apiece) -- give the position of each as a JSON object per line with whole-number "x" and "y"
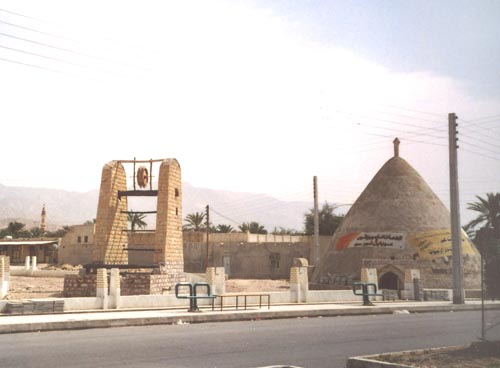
{"x": 398, "y": 230}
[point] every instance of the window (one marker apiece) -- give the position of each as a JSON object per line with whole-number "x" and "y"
{"x": 85, "y": 239}
{"x": 176, "y": 192}
{"x": 79, "y": 240}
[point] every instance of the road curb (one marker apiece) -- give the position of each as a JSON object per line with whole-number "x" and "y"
{"x": 210, "y": 316}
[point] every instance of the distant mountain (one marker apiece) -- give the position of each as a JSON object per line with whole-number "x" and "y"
{"x": 70, "y": 208}
{"x": 63, "y": 207}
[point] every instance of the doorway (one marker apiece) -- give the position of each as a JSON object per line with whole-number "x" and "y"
{"x": 389, "y": 280}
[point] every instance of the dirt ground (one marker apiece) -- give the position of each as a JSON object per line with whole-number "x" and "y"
{"x": 52, "y": 287}
{"x": 484, "y": 354}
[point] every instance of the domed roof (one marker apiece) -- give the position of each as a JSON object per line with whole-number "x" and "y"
{"x": 396, "y": 217}
{"x": 396, "y": 199}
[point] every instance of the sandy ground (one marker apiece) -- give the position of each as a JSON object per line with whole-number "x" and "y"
{"x": 52, "y": 287}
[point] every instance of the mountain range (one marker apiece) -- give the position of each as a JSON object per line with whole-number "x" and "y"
{"x": 70, "y": 208}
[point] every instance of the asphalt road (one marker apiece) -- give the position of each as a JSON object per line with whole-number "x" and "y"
{"x": 303, "y": 342}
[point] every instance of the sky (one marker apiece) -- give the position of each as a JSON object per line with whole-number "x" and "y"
{"x": 251, "y": 96}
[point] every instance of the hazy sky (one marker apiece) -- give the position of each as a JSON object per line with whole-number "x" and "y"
{"x": 254, "y": 96}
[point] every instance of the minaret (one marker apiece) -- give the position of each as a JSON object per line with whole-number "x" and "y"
{"x": 43, "y": 224}
{"x": 396, "y": 147}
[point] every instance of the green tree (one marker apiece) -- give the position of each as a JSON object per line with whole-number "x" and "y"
{"x": 285, "y": 231}
{"x": 14, "y": 228}
{"x": 223, "y": 228}
{"x": 487, "y": 238}
{"x": 195, "y": 222}
{"x": 136, "y": 220}
{"x": 489, "y": 213}
{"x": 253, "y": 228}
{"x": 328, "y": 221}
{"x": 59, "y": 233}
{"x": 90, "y": 222}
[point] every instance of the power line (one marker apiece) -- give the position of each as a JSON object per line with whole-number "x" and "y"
{"x": 480, "y": 154}
{"x": 474, "y": 121}
{"x": 32, "y": 65}
{"x": 477, "y": 146}
{"x": 61, "y": 60}
{"x": 423, "y": 128}
{"x": 442, "y": 115}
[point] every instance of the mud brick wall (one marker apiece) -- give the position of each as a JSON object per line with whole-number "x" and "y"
{"x": 165, "y": 283}
{"x": 168, "y": 242}
{"x": 135, "y": 284}
{"x": 110, "y": 240}
{"x": 80, "y": 285}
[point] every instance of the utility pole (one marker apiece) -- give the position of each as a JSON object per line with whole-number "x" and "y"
{"x": 316, "y": 223}
{"x": 208, "y": 261}
{"x": 456, "y": 233}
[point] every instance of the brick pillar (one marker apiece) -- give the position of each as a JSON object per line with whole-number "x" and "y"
{"x": 168, "y": 248}
{"x": 4, "y": 284}
{"x": 7, "y": 268}
{"x": 110, "y": 238}
{"x": 409, "y": 288}
{"x": 114, "y": 289}
{"x": 369, "y": 275}
{"x": 299, "y": 282}
{"x": 102, "y": 288}
{"x": 33, "y": 263}
{"x": 217, "y": 279}
{"x": 27, "y": 263}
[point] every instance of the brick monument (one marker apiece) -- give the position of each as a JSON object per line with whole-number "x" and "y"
{"x": 112, "y": 233}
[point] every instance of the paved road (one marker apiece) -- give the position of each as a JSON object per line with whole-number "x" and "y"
{"x": 304, "y": 342}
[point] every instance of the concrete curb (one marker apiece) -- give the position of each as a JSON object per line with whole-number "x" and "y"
{"x": 370, "y": 361}
{"x": 209, "y": 316}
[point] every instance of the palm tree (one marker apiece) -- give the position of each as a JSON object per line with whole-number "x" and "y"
{"x": 487, "y": 238}
{"x": 223, "y": 228}
{"x": 195, "y": 221}
{"x": 252, "y": 228}
{"x": 136, "y": 220}
{"x": 489, "y": 209}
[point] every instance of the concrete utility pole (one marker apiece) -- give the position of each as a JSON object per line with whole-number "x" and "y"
{"x": 316, "y": 222}
{"x": 456, "y": 236}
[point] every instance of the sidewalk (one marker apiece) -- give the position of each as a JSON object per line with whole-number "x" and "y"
{"x": 114, "y": 318}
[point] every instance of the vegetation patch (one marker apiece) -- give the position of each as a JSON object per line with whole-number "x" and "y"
{"x": 478, "y": 354}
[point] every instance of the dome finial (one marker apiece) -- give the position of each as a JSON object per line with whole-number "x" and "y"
{"x": 396, "y": 147}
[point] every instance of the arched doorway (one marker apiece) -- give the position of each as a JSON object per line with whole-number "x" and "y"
{"x": 389, "y": 280}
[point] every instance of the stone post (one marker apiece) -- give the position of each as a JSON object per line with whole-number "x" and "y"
{"x": 27, "y": 263}
{"x": 102, "y": 288}
{"x": 369, "y": 275}
{"x": 409, "y": 289}
{"x": 114, "y": 289}
{"x": 6, "y": 268}
{"x": 33, "y": 263}
{"x": 299, "y": 282}
{"x": 4, "y": 284}
{"x": 217, "y": 279}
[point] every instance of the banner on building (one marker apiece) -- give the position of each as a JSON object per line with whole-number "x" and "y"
{"x": 437, "y": 244}
{"x": 375, "y": 240}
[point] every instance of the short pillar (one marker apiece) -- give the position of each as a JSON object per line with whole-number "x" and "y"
{"x": 217, "y": 279}
{"x": 409, "y": 288}
{"x": 33, "y": 263}
{"x": 4, "y": 284}
{"x": 6, "y": 268}
{"x": 369, "y": 275}
{"x": 114, "y": 289}
{"x": 299, "y": 281}
{"x": 27, "y": 263}
{"x": 102, "y": 288}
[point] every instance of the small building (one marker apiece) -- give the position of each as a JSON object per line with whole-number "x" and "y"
{"x": 399, "y": 230}
{"x": 76, "y": 246}
{"x": 44, "y": 249}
